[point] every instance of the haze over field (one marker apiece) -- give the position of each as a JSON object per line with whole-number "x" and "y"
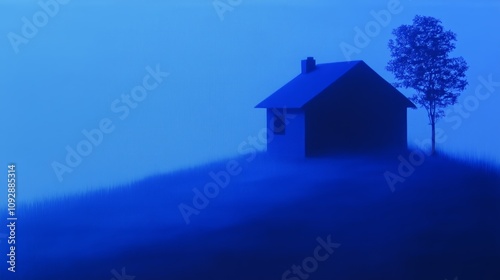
{"x": 267, "y": 219}
{"x": 72, "y": 73}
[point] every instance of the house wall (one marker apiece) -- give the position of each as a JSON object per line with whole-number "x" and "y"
{"x": 355, "y": 116}
{"x": 292, "y": 142}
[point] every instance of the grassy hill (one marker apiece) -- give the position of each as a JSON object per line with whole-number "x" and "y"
{"x": 442, "y": 222}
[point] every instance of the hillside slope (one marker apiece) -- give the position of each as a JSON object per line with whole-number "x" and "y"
{"x": 442, "y": 222}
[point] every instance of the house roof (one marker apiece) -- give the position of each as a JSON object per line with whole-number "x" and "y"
{"x": 306, "y": 86}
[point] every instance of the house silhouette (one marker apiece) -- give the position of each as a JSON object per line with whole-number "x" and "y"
{"x": 336, "y": 107}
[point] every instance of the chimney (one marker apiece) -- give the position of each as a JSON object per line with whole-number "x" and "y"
{"x": 308, "y": 65}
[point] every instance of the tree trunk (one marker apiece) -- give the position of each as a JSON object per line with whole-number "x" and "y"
{"x": 433, "y": 123}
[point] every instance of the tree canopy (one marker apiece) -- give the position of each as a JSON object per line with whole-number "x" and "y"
{"x": 420, "y": 59}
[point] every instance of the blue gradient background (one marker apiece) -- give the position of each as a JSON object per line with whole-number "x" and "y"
{"x": 65, "y": 79}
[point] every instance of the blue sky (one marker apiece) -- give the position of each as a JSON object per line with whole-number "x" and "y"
{"x": 66, "y": 78}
